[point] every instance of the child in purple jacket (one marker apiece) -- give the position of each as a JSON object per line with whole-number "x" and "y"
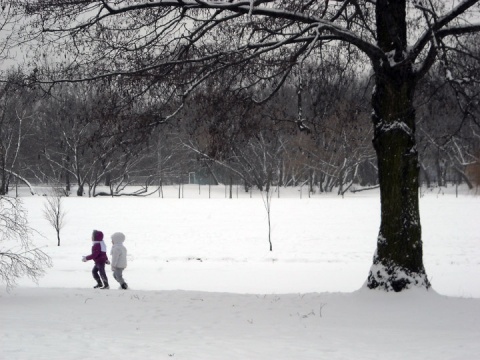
{"x": 100, "y": 258}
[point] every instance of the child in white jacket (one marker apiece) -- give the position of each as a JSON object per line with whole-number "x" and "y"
{"x": 119, "y": 258}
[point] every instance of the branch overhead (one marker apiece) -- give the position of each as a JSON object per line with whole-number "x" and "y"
{"x": 95, "y": 39}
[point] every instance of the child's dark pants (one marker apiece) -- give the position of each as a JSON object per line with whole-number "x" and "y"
{"x": 98, "y": 273}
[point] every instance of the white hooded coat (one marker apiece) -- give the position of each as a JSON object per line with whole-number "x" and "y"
{"x": 118, "y": 252}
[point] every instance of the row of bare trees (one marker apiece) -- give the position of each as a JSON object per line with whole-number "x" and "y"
{"x": 90, "y": 134}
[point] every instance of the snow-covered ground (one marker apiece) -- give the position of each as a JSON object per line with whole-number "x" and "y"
{"x": 204, "y": 285}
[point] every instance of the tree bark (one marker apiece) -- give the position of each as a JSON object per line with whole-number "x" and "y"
{"x": 398, "y": 260}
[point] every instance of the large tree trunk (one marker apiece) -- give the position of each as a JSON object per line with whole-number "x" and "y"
{"x": 398, "y": 261}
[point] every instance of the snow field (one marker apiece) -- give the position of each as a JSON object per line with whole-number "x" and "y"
{"x": 204, "y": 285}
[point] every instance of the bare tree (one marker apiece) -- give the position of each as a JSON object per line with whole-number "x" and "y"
{"x": 267, "y": 201}
{"x": 16, "y": 121}
{"x": 54, "y": 212}
{"x": 91, "y": 139}
{"x": 448, "y": 121}
{"x": 18, "y": 256}
{"x": 177, "y": 45}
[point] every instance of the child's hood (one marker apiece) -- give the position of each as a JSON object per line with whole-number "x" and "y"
{"x": 97, "y": 235}
{"x": 118, "y": 238}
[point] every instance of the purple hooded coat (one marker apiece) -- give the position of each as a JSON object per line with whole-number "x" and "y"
{"x": 99, "y": 249}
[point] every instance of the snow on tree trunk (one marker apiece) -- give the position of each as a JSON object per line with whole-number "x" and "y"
{"x": 398, "y": 260}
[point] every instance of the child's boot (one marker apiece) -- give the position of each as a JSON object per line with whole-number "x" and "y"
{"x": 105, "y": 286}
{"x": 124, "y": 286}
{"x": 99, "y": 285}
